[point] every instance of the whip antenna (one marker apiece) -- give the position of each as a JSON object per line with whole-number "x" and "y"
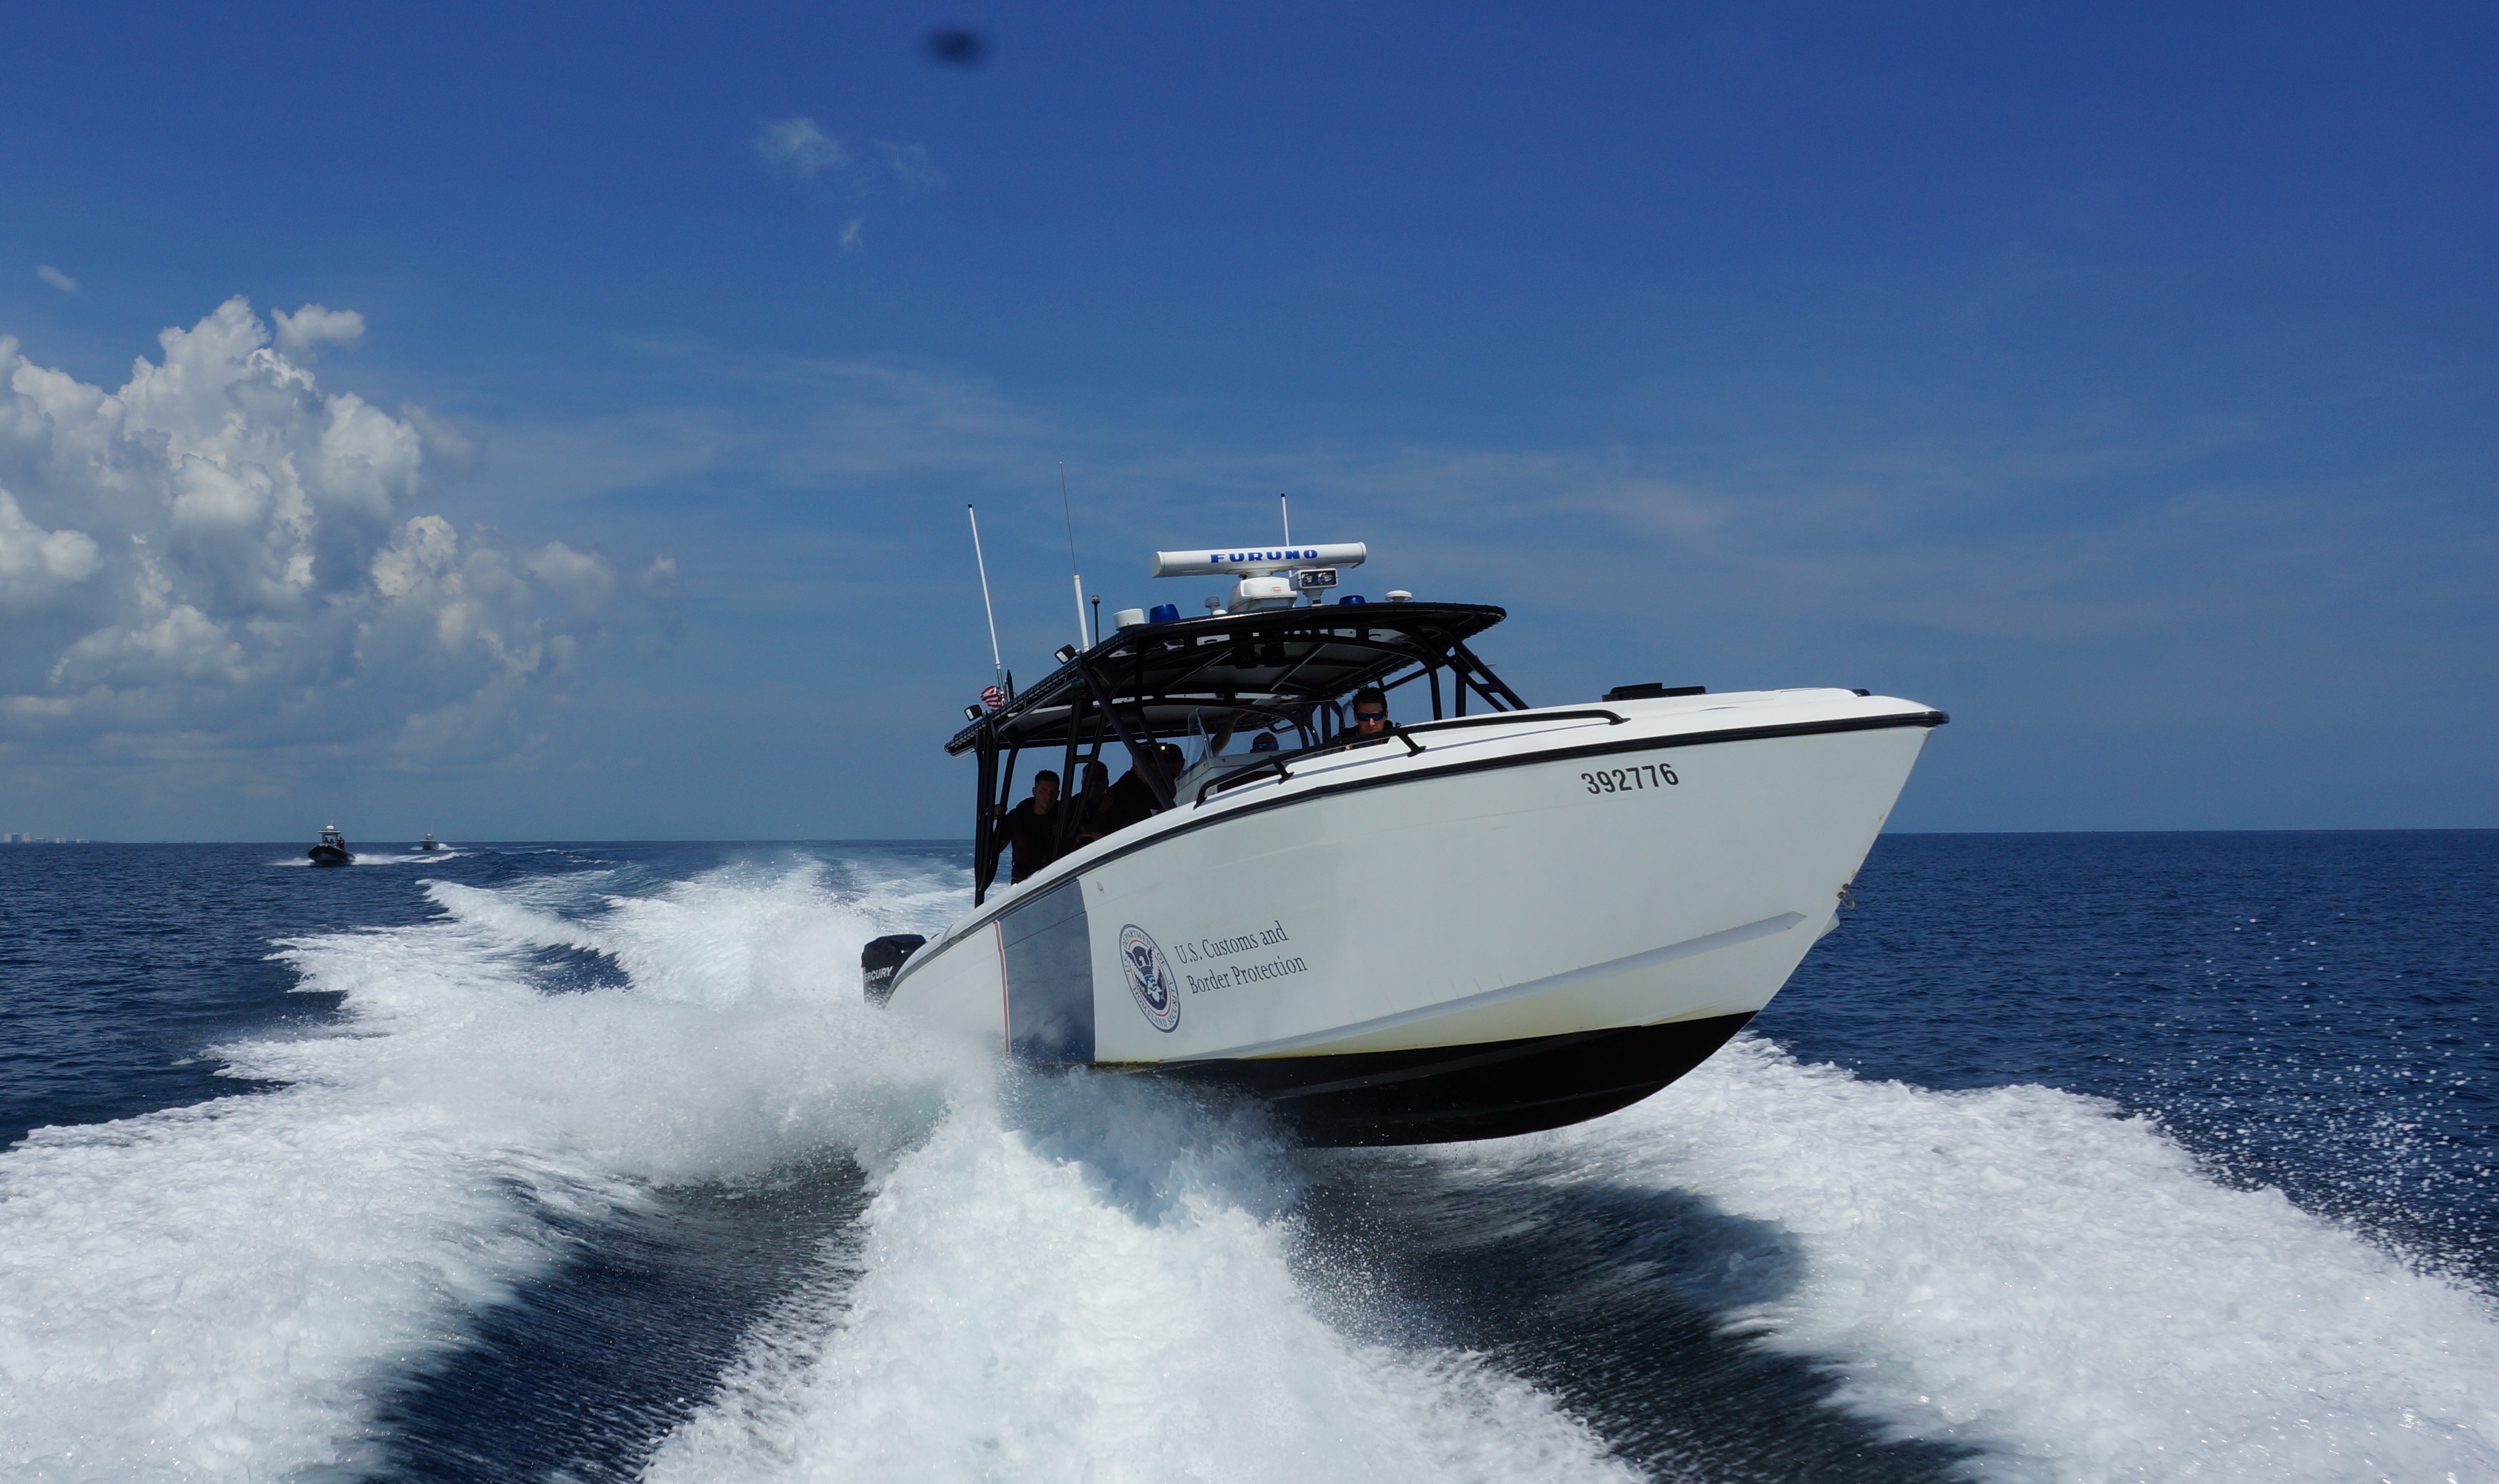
{"x": 1284, "y": 507}
{"x": 996, "y": 663}
{"x": 1073, "y": 578}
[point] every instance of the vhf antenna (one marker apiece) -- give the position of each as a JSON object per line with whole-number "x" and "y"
{"x": 998, "y": 664}
{"x": 1287, "y": 507}
{"x": 1073, "y": 578}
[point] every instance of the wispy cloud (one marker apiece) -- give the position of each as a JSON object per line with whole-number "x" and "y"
{"x": 800, "y": 148}
{"x": 56, "y": 278}
{"x": 911, "y": 166}
{"x": 2116, "y": 539}
{"x": 1948, "y": 540}
{"x": 2111, "y": 569}
{"x": 854, "y": 233}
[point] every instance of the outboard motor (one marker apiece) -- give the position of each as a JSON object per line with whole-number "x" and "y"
{"x": 879, "y": 960}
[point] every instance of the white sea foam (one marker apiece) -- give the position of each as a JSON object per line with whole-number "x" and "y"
{"x": 2021, "y": 1270}
{"x": 1097, "y": 1288}
{"x": 214, "y": 1292}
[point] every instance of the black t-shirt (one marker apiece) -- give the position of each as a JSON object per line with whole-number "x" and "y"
{"x": 1131, "y": 800}
{"x": 1033, "y": 835}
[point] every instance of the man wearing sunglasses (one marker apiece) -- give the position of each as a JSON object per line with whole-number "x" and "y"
{"x": 1369, "y": 715}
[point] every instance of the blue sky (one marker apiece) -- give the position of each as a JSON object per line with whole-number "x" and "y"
{"x": 2121, "y": 380}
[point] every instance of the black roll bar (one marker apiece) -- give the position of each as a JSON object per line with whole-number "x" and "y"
{"x": 985, "y": 849}
{"x": 1482, "y": 674}
{"x": 1148, "y": 764}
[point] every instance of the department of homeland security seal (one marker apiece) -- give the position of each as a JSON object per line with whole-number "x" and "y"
{"x": 1150, "y": 978}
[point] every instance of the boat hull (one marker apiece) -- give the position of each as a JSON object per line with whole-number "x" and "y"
{"x": 1518, "y": 927}
{"x": 1489, "y": 1090}
{"x": 330, "y": 855}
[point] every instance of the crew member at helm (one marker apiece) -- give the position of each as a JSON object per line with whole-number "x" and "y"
{"x": 1132, "y": 798}
{"x": 1369, "y": 715}
{"x": 1031, "y": 828}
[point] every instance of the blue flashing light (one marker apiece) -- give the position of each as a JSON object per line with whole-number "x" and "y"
{"x": 1349, "y": 597}
{"x": 1163, "y": 613}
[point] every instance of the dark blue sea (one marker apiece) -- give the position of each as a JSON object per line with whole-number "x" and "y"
{"x": 2068, "y": 1158}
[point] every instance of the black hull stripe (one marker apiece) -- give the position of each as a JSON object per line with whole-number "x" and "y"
{"x": 1445, "y": 1094}
{"x": 1428, "y": 772}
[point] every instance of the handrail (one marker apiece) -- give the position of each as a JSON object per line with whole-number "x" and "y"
{"x": 1346, "y": 743}
{"x": 1276, "y": 764}
{"x": 1250, "y": 774}
{"x": 1498, "y": 718}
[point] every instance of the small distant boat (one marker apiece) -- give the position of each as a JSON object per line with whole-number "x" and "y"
{"x": 429, "y": 843}
{"x": 333, "y": 848}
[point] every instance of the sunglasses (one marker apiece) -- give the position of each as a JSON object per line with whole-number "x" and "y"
{"x": 1371, "y": 715}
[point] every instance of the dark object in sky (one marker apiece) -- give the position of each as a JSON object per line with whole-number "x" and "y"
{"x": 957, "y": 47}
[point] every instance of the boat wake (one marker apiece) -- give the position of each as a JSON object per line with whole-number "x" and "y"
{"x": 371, "y": 858}
{"x": 2017, "y": 1270}
{"x": 1771, "y": 1269}
{"x": 226, "y": 1289}
{"x": 1097, "y": 1281}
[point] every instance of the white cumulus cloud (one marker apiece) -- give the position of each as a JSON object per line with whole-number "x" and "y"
{"x": 36, "y": 563}
{"x": 301, "y": 333}
{"x": 56, "y": 278}
{"x": 221, "y": 551}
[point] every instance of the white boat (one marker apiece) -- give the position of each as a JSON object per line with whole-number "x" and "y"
{"x": 1485, "y": 922}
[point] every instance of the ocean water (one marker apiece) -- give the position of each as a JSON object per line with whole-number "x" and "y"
{"x": 2068, "y": 1158}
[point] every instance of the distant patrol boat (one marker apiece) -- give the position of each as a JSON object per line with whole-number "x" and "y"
{"x": 1476, "y": 926}
{"x": 333, "y": 848}
{"x": 429, "y": 843}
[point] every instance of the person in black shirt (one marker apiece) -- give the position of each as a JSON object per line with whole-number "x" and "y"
{"x": 1093, "y": 803}
{"x": 1132, "y": 798}
{"x": 1031, "y": 828}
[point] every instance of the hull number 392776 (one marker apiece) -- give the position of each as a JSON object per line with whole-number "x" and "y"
{"x": 1640, "y": 777}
